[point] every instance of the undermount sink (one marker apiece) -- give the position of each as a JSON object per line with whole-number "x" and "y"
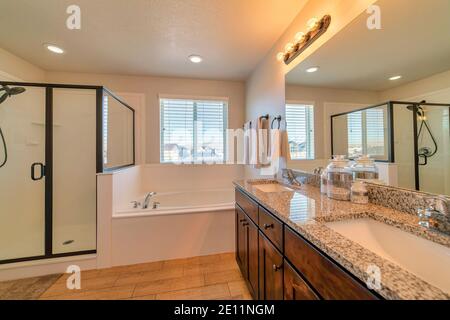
{"x": 273, "y": 187}
{"x": 427, "y": 260}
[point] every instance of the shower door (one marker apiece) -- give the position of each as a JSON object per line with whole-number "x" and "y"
{"x": 49, "y": 149}
{"x": 22, "y": 180}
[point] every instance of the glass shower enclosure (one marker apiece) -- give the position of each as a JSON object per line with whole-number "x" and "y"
{"x": 414, "y": 136}
{"x": 54, "y": 140}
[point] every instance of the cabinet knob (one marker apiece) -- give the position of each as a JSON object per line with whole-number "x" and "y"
{"x": 245, "y": 224}
{"x": 276, "y": 268}
{"x": 242, "y": 220}
{"x": 268, "y": 226}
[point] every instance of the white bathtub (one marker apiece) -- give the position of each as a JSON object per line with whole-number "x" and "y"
{"x": 187, "y": 224}
{"x": 182, "y": 202}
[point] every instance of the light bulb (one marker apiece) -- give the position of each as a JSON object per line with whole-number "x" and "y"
{"x": 280, "y": 56}
{"x": 289, "y": 47}
{"x": 299, "y": 37}
{"x": 313, "y": 24}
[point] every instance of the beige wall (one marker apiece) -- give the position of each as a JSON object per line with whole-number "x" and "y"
{"x": 13, "y": 68}
{"x": 421, "y": 88}
{"x": 152, "y": 87}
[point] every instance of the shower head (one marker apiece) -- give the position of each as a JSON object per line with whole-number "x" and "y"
{"x": 8, "y": 92}
{"x": 420, "y": 110}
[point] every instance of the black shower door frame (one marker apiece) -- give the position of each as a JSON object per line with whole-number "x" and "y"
{"x": 100, "y": 168}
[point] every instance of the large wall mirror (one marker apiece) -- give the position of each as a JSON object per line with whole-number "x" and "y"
{"x": 383, "y": 93}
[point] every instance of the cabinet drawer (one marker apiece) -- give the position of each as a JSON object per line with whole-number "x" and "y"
{"x": 329, "y": 280}
{"x": 248, "y": 205}
{"x": 271, "y": 227}
{"x": 295, "y": 288}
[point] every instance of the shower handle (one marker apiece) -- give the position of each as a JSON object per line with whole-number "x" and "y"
{"x": 33, "y": 171}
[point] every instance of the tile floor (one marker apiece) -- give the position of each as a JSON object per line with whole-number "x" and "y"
{"x": 26, "y": 289}
{"x": 199, "y": 278}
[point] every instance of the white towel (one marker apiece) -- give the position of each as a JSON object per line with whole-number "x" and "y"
{"x": 261, "y": 143}
{"x": 247, "y": 136}
{"x": 279, "y": 148}
{"x": 275, "y": 145}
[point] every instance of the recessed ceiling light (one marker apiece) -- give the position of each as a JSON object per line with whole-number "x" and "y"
{"x": 54, "y": 48}
{"x": 312, "y": 69}
{"x": 195, "y": 58}
{"x": 395, "y": 78}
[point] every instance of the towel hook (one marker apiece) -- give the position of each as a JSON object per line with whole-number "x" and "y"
{"x": 279, "y": 122}
{"x": 250, "y": 125}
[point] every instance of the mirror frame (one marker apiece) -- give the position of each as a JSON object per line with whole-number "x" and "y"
{"x": 390, "y": 123}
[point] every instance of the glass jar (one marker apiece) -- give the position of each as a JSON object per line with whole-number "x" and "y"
{"x": 324, "y": 182}
{"x": 360, "y": 194}
{"x": 339, "y": 179}
{"x": 364, "y": 168}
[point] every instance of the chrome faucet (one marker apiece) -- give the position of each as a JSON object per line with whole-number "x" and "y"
{"x": 290, "y": 176}
{"x": 146, "y": 202}
{"x": 437, "y": 215}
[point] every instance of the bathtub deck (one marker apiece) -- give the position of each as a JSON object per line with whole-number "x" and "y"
{"x": 200, "y": 278}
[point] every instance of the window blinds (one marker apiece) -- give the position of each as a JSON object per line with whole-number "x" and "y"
{"x": 300, "y": 128}
{"x": 193, "y": 130}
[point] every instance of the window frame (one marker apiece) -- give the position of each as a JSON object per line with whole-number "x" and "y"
{"x": 195, "y": 100}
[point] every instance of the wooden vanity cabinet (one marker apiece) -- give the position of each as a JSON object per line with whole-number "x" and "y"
{"x": 247, "y": 250}
{"x": 277, "y": 263}
{"x": 327, "y": 278}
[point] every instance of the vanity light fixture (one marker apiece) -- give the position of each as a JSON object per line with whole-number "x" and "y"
{"x": 395, "y": 78}
{"x": 54, "y": 48}
{"x": 195, "y": 58}
{"x": 312, "y": 69}
{"x": 303, "y": 40}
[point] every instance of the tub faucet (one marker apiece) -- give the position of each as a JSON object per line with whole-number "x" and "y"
{"x": 146, "y": 202}
{"x": 437, "y": 215}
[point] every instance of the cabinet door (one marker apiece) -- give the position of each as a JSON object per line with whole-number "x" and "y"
{"x": 241, "y": 242}
{"x": 270, "y": 271}
{"x": 295, "y": 288}
{"x": 252, "y": 249}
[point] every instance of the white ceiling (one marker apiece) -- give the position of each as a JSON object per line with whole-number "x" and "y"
{"x": 148, "y": 37}
{"x": 414, "y": 43}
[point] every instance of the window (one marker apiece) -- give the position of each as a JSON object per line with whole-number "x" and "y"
{"x": 300, "y": 128}
{"x": 193, "y": 130}
{"x": 367, "y": 133}
{"x": 355, "y": 134}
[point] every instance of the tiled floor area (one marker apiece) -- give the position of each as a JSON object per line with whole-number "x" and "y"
{"x": 199, "y": 278}
{"x": 26, "y": 289}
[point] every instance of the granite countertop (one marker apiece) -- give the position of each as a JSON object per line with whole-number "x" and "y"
{"x": 306, "y": 210}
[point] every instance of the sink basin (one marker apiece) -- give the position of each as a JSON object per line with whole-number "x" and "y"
{"x": 427, "y": 260}
{"x": 272, "y": 187}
